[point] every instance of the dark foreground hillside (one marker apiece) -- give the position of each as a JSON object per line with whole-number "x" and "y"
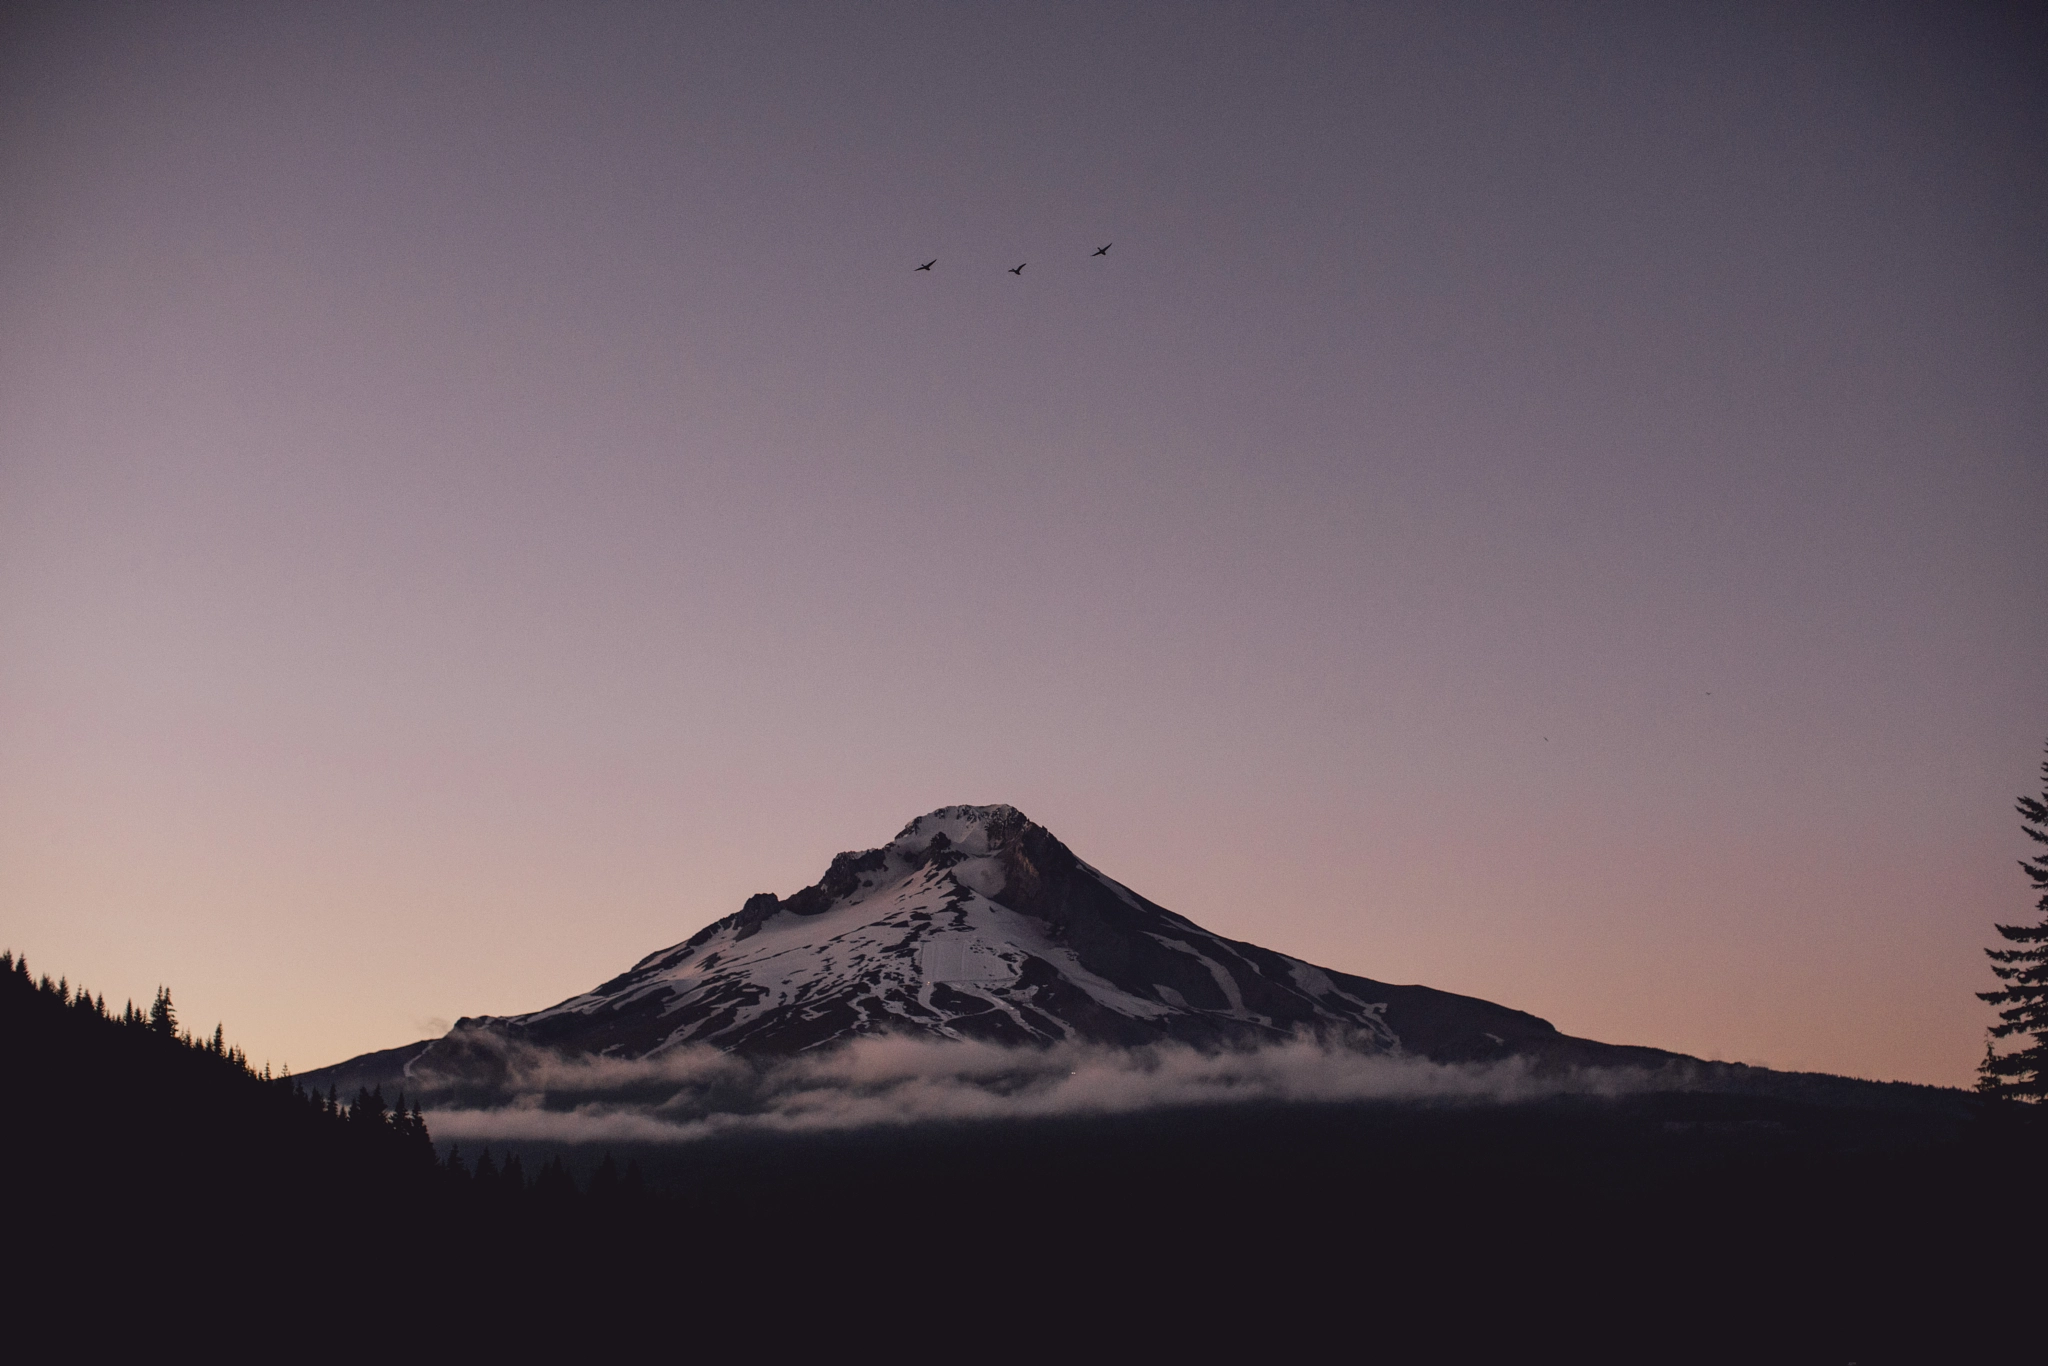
{"x": 156, "y": 1185}
{"x": 167, "y": 1192}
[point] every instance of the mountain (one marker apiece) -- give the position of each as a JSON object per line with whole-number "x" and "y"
{"x": 976, "y": 923}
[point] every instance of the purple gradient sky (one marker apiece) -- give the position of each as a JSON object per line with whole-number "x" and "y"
{"x": 1546, "y": 504}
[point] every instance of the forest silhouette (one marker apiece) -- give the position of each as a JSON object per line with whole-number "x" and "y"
{"x": 178, "y": 1124}
{"x": 165, "y": 1188}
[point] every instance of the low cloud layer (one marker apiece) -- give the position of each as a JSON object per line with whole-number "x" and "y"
{"x": 698, "y": 1093}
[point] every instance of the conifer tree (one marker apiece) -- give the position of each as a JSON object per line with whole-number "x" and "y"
{"x": 2023, "y": 968}
{"x": 421, "y": 1141}
{"x": 368, "y": 1108}
{"x": 163, "y": 1016}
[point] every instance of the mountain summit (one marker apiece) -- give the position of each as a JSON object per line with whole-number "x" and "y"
{"x": 977, "y": 923}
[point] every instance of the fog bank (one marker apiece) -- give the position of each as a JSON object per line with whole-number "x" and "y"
{"x": 696, "y": 1093}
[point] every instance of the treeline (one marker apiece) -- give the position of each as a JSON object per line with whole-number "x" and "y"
{"x": 159, "y": 1175}
{"x": 127, "y": 1118}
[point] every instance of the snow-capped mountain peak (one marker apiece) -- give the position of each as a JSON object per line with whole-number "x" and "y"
{"x": 976, "y": 923}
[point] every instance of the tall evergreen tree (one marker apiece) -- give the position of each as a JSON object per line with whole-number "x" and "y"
{"x": 2023, "y": 968}
{"x": 163, "y": 1016}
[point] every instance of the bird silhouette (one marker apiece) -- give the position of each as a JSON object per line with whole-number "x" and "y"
{"x": 1018, "y": 269}
{"x": 929, "y": 264}
{"x": 1104, "y": 250}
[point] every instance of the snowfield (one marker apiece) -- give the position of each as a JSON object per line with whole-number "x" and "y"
{"x": 916, "y": 937}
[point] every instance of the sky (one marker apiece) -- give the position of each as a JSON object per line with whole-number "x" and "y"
{"x": 1544, "y": 502}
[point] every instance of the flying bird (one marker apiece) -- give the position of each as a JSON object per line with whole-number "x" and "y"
{"x": 1104, "y": 250}
{"x": 1018, "y": 269}
{"x": 928, "y": 265}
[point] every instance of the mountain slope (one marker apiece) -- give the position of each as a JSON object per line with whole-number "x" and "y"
{"x": 976, "y": 923}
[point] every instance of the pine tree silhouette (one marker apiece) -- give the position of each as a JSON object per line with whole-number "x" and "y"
{"x": 163, "y": 1017}
{"x": 2023, "y": 1073}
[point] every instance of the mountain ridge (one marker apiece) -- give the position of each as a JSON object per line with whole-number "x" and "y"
{"x": 976, "y": 923}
